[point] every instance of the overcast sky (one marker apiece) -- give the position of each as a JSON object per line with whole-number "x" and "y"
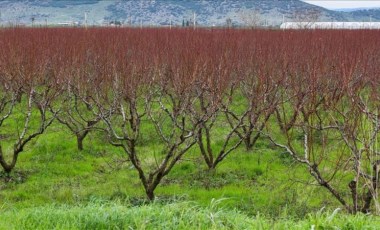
{"x": 340, "y": 4}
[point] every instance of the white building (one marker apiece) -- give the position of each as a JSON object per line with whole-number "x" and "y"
{"x": 330, "y": 25}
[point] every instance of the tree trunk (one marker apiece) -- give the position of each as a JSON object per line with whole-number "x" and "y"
{"x": 212, "y": 169}
{"x": 352, "y": 185}
{"x": 247, "y": 141}
{"x": 80, "y": 138}
{"x": 150, "y": 194}
{"x": 251, "y": 138}
{"x": 372, "y": 190}
{"x": 212, "y": 166}
{"x": 8, "y": 167}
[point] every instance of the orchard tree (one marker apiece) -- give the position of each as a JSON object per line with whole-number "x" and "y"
{"x": 30, "y": 81}
{"x": 140, "y": 96}
{"x": 25, "y": 119}
{"x": 333, "y": 125}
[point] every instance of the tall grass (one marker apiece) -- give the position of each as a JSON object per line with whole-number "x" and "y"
{"x": 179, "y": 215}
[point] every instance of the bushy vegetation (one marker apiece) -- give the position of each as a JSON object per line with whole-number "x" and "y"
{"x": 282, "y": 123}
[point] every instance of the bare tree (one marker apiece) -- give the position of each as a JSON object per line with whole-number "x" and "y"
{"x": 260, "y": 97}
{"x": 306, "y": 19}
{"x": 307, "y": 123}
{"x": 76, "y": 111}
{"x": 139, "y": 99}
{"x": 251, "y": 18}
{"x": 333, "y": 132}
{"x": 30, "y": 114}
{"x": 215, "y": 105}
{"x": 359, "y": 126}
{"x": 77, "y": 115}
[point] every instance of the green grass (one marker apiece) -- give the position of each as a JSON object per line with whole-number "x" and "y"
{"x": 54, "y": 186}
{"x": 179, "y": 215}
{"x": 52, "y": 171}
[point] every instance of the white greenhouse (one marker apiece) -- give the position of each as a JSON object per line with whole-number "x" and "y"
{"x": 330, "y": 25}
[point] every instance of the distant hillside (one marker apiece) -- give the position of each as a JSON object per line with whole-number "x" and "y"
{"x": 164, "y": 12}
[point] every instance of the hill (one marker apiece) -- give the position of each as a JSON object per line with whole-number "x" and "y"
{"x": 164, "y": 12}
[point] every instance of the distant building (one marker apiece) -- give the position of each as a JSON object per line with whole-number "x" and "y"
{"x": 330, "y": 25}
{"x": 71, "y": 23}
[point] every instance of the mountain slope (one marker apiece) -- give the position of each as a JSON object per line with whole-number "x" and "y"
{"x": 162, "y": 12}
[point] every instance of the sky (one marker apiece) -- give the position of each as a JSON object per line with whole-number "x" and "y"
{"x": 343, "y": 4}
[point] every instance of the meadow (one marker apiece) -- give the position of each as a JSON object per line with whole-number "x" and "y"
{"x": 180, "y": 129}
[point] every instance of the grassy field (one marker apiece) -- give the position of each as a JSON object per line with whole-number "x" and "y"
{"x": 179, "y": 215}
{"x": 57, "y": 186}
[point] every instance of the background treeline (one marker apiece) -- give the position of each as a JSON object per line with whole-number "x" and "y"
{"x": 313, "y": 95}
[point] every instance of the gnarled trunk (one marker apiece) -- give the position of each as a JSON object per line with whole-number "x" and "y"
{"x": 8, "y": 167}
{"x": 80, "y": 137}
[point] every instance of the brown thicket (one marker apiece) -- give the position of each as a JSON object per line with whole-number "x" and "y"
{"x": 314, "y": 94}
